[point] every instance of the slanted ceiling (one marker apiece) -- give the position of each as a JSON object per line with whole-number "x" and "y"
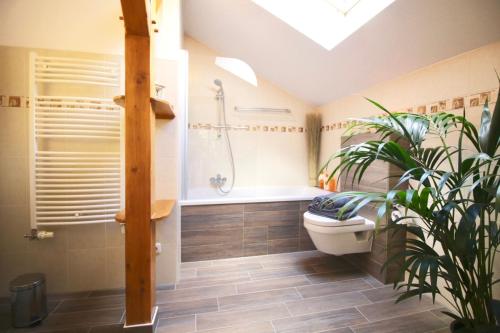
{"x": 408, "y": 35}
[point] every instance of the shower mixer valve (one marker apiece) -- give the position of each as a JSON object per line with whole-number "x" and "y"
{"x": 218, "y": 181}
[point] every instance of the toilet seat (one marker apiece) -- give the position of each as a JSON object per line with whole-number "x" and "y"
{"x": 329, "y": 222}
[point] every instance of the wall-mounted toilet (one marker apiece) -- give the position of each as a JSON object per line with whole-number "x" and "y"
{"x": 340, "y": 237}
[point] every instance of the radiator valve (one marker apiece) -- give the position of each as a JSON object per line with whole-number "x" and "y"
{"x": 38, "y": 235}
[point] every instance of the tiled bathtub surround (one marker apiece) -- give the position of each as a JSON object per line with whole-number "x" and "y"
{"x": 235, "y": 230}
{"x": 301, "y": 292}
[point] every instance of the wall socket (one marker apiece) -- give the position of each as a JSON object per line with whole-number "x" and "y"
{"x": 158, "y": 247}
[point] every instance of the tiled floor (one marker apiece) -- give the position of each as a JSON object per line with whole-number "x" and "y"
{"x": 302, "y": 292}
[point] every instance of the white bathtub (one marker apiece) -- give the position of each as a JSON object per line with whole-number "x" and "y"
{"x": 209, "y": 196}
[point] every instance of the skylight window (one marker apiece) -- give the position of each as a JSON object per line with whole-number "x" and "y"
{"x": 237, "y": 67}
{"x": 327, "y": 22}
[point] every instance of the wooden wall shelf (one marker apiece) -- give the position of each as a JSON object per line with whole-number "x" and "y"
{"x": 161, "y": 108}
{"x": 159, "y": 209}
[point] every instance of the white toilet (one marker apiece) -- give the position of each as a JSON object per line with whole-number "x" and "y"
{"x": 340, "y": 237}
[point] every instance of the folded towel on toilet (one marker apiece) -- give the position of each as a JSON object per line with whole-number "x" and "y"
{"x": 328, "y": 206}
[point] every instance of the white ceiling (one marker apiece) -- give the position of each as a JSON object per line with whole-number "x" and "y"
{"x": 408, "y": 35}
{"x": 77, "y": 25}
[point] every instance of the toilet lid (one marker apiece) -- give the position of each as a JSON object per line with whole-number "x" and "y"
{"x": 328, "y": 222}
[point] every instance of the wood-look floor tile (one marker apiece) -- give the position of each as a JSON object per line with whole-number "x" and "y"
{"x": 338, "y": 330}
{"x": 205, "y": 281}
{"x": 318, "y": 322}
{"x": 329, "y": 302}
{"x": 114, "y": 328}
{"x": 107, "y": 292}
{"x": 333, "y": 288}
{"x": 416, "y": 323}
{"x": 196, "y": 264}
{"x": 180, "y": 295}
{"x": 260, "y": 327}
{"x": 212, "y": 320}
{"x": 244, "y": 301}
{"x": 381, "y": 294}
{"x": 374, "y": 282}
{"x": 334, "y": 276}
{"x": 182, "y": 308}
{"x": 280, "y": 272}
{"x": 269, "y": 284}
{"x": 230, "y": 269}
{"x": 187, "y": 273}
{"x": 439, "y": 313}
{"x": 183, "y": 324}
{"x": 389, "y": 309}
{"x": 74, "y": 320}
{"x": 94, "y": 303}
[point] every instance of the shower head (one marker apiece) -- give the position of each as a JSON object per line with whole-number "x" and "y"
{"x": 218, "y": 83}
{"x": 220, "y": 92}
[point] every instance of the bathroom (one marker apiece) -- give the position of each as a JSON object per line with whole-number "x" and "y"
{"x": 247, "y": 107}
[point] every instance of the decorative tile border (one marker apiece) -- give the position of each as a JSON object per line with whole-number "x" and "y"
{"x": 445, "y": 105}
{"x": 14, "y": 101}
{"x": 250, "y": 128}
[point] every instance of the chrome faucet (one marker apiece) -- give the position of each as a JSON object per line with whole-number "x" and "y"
{"x": 218, "y": 181}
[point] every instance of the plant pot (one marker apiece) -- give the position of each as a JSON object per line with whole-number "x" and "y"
{"x": 457, "y": 326}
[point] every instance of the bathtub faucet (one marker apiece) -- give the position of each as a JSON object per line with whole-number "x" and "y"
{"x": 218, "y": 181}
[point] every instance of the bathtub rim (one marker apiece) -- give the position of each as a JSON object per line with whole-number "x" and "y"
{"x": 223, "y": 200}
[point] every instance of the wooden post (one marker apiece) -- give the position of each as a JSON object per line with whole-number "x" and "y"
{"x": 140, "y": 231}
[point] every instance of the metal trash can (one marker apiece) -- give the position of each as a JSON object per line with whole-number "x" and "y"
{"x": 28, "y": 299}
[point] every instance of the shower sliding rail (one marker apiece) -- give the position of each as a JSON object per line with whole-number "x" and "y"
{"x": 76, "y": 151}
{"x": 274, "y": 110}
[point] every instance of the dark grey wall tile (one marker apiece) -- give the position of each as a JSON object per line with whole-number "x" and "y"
{"x": 283, "y": 232}
{"x": 283, "y": 245}
{"x": 255, "y": 235}
{"x": 209, "y": 252}
{"x": 255, "y": 249}
{"x": 209, "y": 222}
{"x": 272, "y": 206}
{"x": 208, "y": 237}
{"x": 211, "y": 209}
{"x": 274, "y": 218}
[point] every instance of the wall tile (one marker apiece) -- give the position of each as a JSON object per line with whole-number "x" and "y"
{"x": 14, "y": 181}
{"x": 86, "y": 269}
{"x": 87, "y": 236}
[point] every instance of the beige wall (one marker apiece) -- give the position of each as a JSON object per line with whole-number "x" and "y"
{"x": 470, "y": 76}
{"x": 85, "y": 257}
{"x": 466, "y": 75}
{"x": 262, "y": 158}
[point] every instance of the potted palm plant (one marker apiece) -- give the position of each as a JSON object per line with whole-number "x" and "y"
{"x": 450, "y": 204}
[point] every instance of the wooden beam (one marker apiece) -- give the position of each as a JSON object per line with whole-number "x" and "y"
{"x": 140, "y": 231}
{"x": 136, "y": 17}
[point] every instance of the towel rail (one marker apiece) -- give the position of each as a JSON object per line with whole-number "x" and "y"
{"x": 80, "y": 186}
